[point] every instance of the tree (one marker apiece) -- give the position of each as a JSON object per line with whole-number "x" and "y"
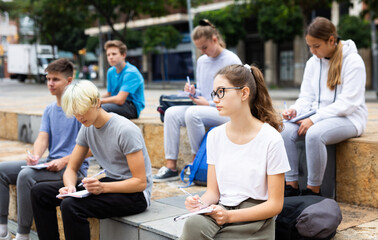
{"x": 352, "y": 27}
{"x": 161, "y": 36}
{"x": 229, "y": 21}
{"x": 279, "y": 22}
{"x": 57, "y": 23}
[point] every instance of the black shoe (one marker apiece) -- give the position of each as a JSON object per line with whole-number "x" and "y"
{"x": 308, "y": 191}
{"x": 290, "y": 191}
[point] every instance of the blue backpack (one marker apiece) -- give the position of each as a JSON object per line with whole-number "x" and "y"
{"x": 198, "y": 170}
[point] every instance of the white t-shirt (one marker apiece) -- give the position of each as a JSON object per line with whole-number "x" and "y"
{"x": 241, "y": 170}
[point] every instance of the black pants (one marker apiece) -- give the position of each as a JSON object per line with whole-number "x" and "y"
{"x": 128, "y": 109}
{"x": 75, "y": 211}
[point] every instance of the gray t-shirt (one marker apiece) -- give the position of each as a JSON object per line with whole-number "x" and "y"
{"x": 207, "y": 67}
{"x": 111, "y": 143}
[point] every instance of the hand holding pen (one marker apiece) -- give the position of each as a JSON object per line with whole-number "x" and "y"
{"x": 193, "y": 203}
{"x": 97, "y": 174}
{"x": 31, "y": 159}
{"x": 288, "y": 113}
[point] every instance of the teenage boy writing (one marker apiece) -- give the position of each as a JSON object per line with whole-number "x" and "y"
{"x": 125, "y": 90}
{"x": 118, "y": 146}
{"x": 57, "y": 134}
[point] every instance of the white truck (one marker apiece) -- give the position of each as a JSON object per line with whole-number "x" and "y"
{"x": 26, "y": 60}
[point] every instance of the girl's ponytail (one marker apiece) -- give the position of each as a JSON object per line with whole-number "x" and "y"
{"x": 335, "y": 63}
{"x": 261, "y": 104}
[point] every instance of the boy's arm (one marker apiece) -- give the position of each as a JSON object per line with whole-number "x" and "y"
{"x": 105, "y": 95}
{"x": 118, "y": 99}
{"x": 40, "y": 145}
{"x": 137, "y": 183}
{"x": 76, "y": 159}
{"x": 58, "y": 164}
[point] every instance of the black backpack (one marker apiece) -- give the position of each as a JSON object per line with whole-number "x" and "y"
{"x": 167, "y": 101}
{"x": 308, "y": 218}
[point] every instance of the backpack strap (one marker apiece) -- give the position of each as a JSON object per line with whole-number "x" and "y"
{"x": 182, "y": 174}
{"x": 196, "y": 163}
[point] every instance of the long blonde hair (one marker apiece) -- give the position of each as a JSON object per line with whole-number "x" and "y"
{"x": 260, "y": 102}
{"x": 207, "y": 30}
{"x": 322, "y": 28}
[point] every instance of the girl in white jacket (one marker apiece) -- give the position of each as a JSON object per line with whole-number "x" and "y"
{"x": 334, "y": 88}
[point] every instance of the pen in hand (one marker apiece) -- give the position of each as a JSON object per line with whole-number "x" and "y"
{"x": 188, "y": 80}
{"x": 30, "y": 155}
{"x": 99, "y": 173}
{"x": 285, "y": 105}
{"x": 189, "y": 194}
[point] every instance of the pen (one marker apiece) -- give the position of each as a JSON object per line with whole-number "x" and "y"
{"x": 189, "y": 194}
{"x": 285, "y": 105}
{"x": 30, "y": 155}
{"x": 99, "y": 173}
{"x": 188, "y": 80}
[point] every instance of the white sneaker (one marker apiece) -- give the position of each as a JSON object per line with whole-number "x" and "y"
{"x": 7, "y": 237}
{"x": 20, "y": 238}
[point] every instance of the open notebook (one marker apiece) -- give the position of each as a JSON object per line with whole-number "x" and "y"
{"x": 38, "y": 166}
{"x": 78, "y": 194}
{"x": 201, "y": 211}
{"x": 302, "y": 116}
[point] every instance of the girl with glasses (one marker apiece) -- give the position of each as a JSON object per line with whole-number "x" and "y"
{"x": 334, "y": 88}
{"x": 247, "y": 162}
{"x": 204, "y": 114}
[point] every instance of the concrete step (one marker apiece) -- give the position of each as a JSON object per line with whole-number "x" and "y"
{"x": 356, "y": 170}
{"x": 168, "y": 201}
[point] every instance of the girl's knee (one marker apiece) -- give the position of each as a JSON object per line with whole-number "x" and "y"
{"x": 191, "y": 114}
{"x": 313, "y": 136}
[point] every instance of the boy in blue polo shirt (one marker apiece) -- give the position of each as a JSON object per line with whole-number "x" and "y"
{"x": 125, "y": 91}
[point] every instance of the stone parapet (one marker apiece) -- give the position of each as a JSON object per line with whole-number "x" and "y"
{"x": 357, "y": 169}
{"x": 8, "y": 125}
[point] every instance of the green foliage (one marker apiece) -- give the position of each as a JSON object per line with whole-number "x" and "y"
{"x": 229, "y": 21}
{"x": 133, "y": 39}
{"x": 372, "y": 8}
{"x": 165, "y": 36}
{"x": 92, "y": 44}
{"x": 352, "y": 27}
{"x": 59, "y": 23}
{"x": 279, "y": 22}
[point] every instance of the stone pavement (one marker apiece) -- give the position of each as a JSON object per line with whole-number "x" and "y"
{"x": 358, "y": 222}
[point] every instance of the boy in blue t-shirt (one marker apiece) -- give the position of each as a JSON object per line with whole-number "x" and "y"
{"x": 125, "y": 91}
{"x": 57, "y": 134}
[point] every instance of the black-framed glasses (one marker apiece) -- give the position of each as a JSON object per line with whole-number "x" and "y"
{"x": 220, "y": 92}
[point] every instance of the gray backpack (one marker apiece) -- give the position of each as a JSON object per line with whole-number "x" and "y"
{"x": 308, "y": 218}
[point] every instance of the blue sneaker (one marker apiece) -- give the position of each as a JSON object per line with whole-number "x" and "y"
{"x": 165, "y": 175}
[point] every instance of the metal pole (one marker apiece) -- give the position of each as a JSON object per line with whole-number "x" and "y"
{"x": 192, "y": 47}
{"x": 374, "y": 48}
{"x": 101, "y": 67}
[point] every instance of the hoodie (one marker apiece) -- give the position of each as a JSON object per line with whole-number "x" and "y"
{"x": 348, "y": 100}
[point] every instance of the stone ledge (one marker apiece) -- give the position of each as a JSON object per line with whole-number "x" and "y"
{"x": 356, "y": 170}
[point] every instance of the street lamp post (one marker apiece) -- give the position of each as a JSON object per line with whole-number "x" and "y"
{"x": 192, "y": 47}
{"x": 374, "y": 48}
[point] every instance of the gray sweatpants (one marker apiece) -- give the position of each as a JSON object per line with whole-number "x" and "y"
{"x": 195, "y": 118}
{"x": 325, "y": 132}
{"x": 202, "y": 227}
{"x": 25, "y": 179}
